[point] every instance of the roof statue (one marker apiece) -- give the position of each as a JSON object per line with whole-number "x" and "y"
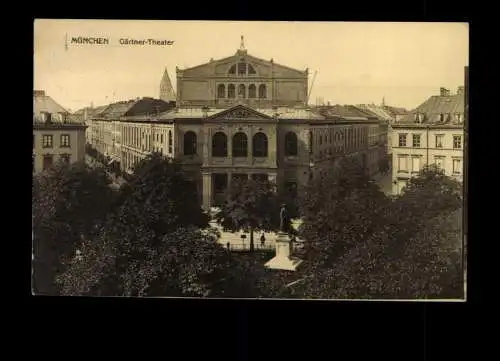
{"x": 242, "y": 43}
{"x": 167, "y": 92}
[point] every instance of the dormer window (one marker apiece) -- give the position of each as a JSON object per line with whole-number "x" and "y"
{"x": 47, "y": 117}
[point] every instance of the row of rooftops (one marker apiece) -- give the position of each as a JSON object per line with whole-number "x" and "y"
{"x": 436, "y": 109}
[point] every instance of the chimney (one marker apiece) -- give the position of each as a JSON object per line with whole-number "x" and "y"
{"x": 444, "y": 92}
{"x": 461, "y": 90}
{"x": 38, "y": 93}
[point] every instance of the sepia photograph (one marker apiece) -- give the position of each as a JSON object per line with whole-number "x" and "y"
{"x": 250, "y": 160}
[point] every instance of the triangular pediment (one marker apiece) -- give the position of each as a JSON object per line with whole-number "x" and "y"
{"x": 239, "y": 112}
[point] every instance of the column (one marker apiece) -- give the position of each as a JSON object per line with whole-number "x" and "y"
{"x": 207, "y": 190}
{"x": 229, "y": 179}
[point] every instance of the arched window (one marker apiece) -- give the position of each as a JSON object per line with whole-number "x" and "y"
{"x": 259, "y": 145}
{"x": 241, "y": 91}
{"x": 219, "y": 145}
{"x": 310, "y": 142}
{"x": 232, "y": 70}
{"x": 221, "y": 91}
{"x": 189, "y": 143}
{"x": 252, "y": 91}
{"x": 290, "y": 144}
{"x": 240, "y": 145}
{"x": 231, "y": 91}
{"x": 262, "y": 91}
{"x": 242, "y": 69}
{"x": 251, "y": 69}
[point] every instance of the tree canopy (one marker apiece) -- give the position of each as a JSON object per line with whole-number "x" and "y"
{"x": 251, "y": 205}
{"x": 414, "y": 250}
{"x": 339, "y": 208}
{"x": 69, "y": 203}
{"x": 154, "y": 231}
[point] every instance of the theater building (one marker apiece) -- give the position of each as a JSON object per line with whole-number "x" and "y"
{"x": 242, "y": 117}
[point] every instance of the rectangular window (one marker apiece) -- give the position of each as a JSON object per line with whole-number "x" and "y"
{"x": 403, "y": 163}
{"x": 415, "y": 166}
{"x": 439, "y": 140}
{"x": 48, "y": 161}
{"x": 47, "y": 141}
{"x": 65, "y": 141}
{"x": 402, "y": 140}
{"x": 457, "y": 166}
{"x": 66, "y": 158}
{"x": 416, "y": 140}
{"x": 457, "y": 142}
{"x": 439, "y": 161}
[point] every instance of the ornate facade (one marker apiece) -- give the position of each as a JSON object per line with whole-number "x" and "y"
{"x": 242, "y": 117}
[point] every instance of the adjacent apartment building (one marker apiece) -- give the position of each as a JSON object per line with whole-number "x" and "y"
{"x": 56, "y": 136}
{"x": 238, "y": 117}
{"x": 433, "y": 133}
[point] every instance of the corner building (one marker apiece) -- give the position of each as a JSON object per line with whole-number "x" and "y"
{"x": 242, "y": 117}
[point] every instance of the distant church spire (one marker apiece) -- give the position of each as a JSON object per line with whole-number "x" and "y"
{"x": 383, "y": 102}
{"x": 242, "y": 43}
{"x": 167, "y": 93}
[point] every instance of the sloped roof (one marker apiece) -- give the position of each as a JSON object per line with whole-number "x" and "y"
{"x": 395, "y": 110}
{"x": 245, "y": 53}
{"x": 377, "y": 111}
{"x": 134, "y": 108}
{"x": 44, "y": 103}
{"x": 347, "y": 112}
{"x": 436, "y": 105}
{"x": 117, "y": 110}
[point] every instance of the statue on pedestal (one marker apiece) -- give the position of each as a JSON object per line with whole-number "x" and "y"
{"x": 284, "y": 220}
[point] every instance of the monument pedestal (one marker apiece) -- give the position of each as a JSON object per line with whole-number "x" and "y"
{"x": 283, "y": 259}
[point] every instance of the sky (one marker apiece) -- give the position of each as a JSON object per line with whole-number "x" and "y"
{"x": 355, "y": 62}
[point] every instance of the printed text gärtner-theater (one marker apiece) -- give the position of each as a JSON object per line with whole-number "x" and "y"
{"x": 105, "y": 41}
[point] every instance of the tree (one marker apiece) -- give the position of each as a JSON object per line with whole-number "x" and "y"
{"x": 415, "y": 251}
{"x": 251, "y": 205}
{"x": 152, "y": 238}
{"x": 431, "y": 192}
{"x": 429, "y": 266}
{"x": 340, "y": 208}
{"x": 159, "y": 194}
{"x": 185, "y": 263}
{"x": 69, "y": 202}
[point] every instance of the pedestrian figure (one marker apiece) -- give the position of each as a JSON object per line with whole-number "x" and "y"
{"x": 262, "y": 240}
{"x": 228, "y": 245}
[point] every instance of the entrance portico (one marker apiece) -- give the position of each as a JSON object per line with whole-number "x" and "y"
{"x": 217, "y": 182}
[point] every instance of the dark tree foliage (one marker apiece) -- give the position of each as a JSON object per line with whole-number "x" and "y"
{"x": 158, "y": 194}
{"x": 69, "y": 203}
{"x": 430, "y": 266}
{"x": 340, "y": 208}
{"x": 159, "y": 214}
{"x": 414, "y": 252}
{"x": 184, "y": 263}
{"x": 251, "y": 206}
